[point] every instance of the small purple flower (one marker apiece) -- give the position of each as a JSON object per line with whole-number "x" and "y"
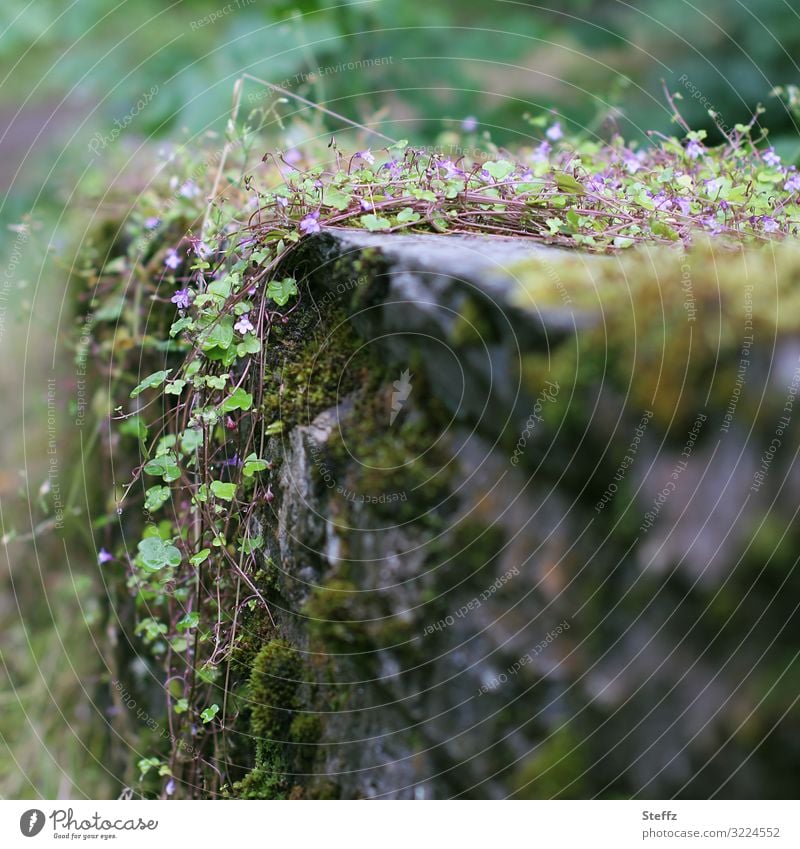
{"x": 292, "y": 156}
{"x": 182, "y": 298}
{"x": 310, "y": 224}
{"x": 632, "y": 161}
{"x": 172, "y": 259}
{"x": 554, "y": 133}
{"x": 104, "y": 557}
{"x": 713, "y": 186}
{"x": 243, "y": 325}
{"x": 365, "y": 205}
{"x": 770, "y": 225}
{"x": 367, "y": 156}
{"x": 282, "y": 201}
{"x": 684, "y": 205}
{"x": 189, "y": 189}
{"x": 792, "y": 184}
{"x": 694, "y": 150}
{"x": 232, "y": 461}
{"x": 450, "y": 169}
{"x": 152, "y": 222}
{"x": 170, "y": 788}
{"x": 771, "y": 158}
{"x": 541, "y": 153}
{"x": 469, "y": 124}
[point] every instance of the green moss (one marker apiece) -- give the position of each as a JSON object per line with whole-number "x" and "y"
{"x": 273, "y": 695}
{"x": 554, "y": 770}
{"x": 310, "y": 368}
{"x": 473, "y": 327}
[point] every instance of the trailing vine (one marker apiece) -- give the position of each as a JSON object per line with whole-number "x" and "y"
{"x": 216, "y": 276}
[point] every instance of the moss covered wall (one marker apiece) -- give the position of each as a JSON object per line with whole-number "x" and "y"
{"x": 531, "y": 579}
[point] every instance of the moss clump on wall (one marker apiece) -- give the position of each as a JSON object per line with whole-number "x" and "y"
{"x": 284, "y": 735}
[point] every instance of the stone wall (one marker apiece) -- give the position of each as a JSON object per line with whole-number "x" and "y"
{"x": 534, "y": 531}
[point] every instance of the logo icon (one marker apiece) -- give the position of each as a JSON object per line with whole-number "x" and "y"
{"x": 402, "y": 389}
{"x": 31, "y": 822}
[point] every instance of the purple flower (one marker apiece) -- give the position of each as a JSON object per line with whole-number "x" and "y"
{"x": 770, "y": 225}
{"x": 282, "y": 201}
{"x": 792, "y": 184}
{"x": 232, "y": 461}
{"x": 366, "y": 155}
{"x": 694, "y": 149}
{"x": 292, "y": 156}
{"x": 310, "y": 224}
{"x": 541, "y": 153}
{"x": 182, "y": 298}
{"x": 243, "y": 325}
{"x": 170, "y": 788}
{"x": 684, "y": 205}
{"x": 771, "y": 158}
{"x": 172, "y": 259}
{"x": 365, "y": 205}
{"x": 632, "y": 161}
{"x": 189, "y": 189}
{"x": 104, "y": 557}
{"x": 554, "y": 133}
{"x": 713, "y": 186}
{"x": 450, "y": 169}
{"x": 152, "y": 222}
{"x": 469, "y": 124}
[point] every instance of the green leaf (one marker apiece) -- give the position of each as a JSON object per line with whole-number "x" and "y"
{"x": 251, "y": 344}
{"x": 155, "y": 554}
{"x": 499, "y": 170}
{"x": 223, "y": 491}
{"x": 567, "y": 183}
{"x": 185, "y": 323}
{"x": 407, "y": 215}
{"x": 165, "y": 466}
{"x": 189, "y": 621}
{"x": 191, "y": 440}
{"x": 150, "y": 382}
{"x": 237, "y": 400}
{"x": 209, "y": 713}
{"x": 174, "y": 387}
{"x": 251, "y": 544}
{"x": 200, "y": 557}
{"x": 275, "y": 427}
{"x": 218, "y": 334}
{"x": 155, "y": 497}
{"x": 338, "y": 200}
{"x": 375, "y": 222}
{"x": 252, "y": 465}
{"x": 181, "y": 706}
{"x": 281, "y": 290}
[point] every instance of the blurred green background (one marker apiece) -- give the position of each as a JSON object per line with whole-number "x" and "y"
{"x": 84, "y": 83}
